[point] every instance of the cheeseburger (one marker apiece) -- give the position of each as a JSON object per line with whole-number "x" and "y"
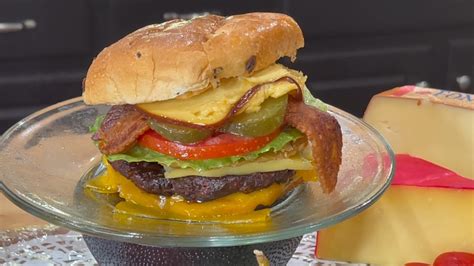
{"x": 204, "y": 124}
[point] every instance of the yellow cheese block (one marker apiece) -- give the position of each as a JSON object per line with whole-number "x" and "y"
{"x": 435, "y": 125}
{"x": 295, "y": 163}
{"x": 212, "y": 105}
{"x": 408, "y": 224}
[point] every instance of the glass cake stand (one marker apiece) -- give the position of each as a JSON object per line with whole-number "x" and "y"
{"x": 46, "y": 158}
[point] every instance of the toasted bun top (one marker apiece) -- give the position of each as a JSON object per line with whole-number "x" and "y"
{"x": 162, "y": 61}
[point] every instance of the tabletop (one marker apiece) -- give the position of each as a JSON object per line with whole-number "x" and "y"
{"x": 12, "y": 217}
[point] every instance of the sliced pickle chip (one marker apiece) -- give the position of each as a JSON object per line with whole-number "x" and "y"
{"x": 261, "y": 123}
{"x": 182, "y": 134}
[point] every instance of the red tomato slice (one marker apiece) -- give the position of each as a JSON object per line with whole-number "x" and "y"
{"x": 454, "y": 258}
{"x": 222, "y": 145}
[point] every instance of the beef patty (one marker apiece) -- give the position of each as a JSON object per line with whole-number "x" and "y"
{"x": 150, "y": 178}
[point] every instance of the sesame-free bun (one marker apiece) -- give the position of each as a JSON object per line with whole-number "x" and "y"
{"x": 162, "y": 61}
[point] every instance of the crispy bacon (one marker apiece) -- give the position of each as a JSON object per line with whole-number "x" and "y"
{"x": 324, "y": 134}
{"x": 122, "y": 126}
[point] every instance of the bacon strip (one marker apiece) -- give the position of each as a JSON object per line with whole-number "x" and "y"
{"x": 324, "y": 134}
{"x": 120, "y": 129}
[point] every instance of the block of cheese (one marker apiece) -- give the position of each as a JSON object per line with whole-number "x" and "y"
{"x": 428, "y": 210}
{"x": 432, "y": 124}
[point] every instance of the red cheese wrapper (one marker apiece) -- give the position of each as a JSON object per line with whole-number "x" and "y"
{"x": 414, "y": 171}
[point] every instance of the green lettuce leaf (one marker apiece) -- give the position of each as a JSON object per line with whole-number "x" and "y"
{"x": 139, "y": 154}
{"x": 98, "y": 121}
{"x": 310, "y": 100}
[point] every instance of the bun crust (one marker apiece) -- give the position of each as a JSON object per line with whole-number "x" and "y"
{"x": 162, "y": 61}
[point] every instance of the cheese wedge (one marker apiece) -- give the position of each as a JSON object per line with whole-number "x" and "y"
{"x": 428, "y": 210}
{"x": 214, "y": 104}
{"x": 435, "y": 125}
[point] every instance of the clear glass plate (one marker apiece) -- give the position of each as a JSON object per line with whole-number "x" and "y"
{"x": 46, "y": 158}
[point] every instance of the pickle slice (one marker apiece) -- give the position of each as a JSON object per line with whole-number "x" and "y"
{"x": 182, "y": 134}
{"x": 257, "y": 124}
{"x": 261, "y": 123}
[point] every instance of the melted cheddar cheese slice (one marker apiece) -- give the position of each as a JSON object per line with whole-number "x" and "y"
{"x": 237, "y": 207}
{"x": 213, "y": 104}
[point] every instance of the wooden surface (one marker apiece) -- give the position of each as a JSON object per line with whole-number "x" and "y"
{"x": 12, "y": 217}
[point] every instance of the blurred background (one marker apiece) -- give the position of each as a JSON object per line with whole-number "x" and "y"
{"x": 353, "y": 50}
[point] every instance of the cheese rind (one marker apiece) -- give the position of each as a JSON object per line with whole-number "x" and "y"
{"x": 407, "y": 224}
{"x": 412, "y": 171}
{"x": 435, "y": 125}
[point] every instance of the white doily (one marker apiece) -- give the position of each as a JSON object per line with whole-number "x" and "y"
{"x": 40, "y": 246}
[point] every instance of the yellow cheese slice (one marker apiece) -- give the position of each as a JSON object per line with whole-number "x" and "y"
{"x": 408, "y": 224}
{"x": 212, "y": 105}
{"x": 435, "y": 125}
{"x": 231, "y": 208}
{"x": 296, "y": 163}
